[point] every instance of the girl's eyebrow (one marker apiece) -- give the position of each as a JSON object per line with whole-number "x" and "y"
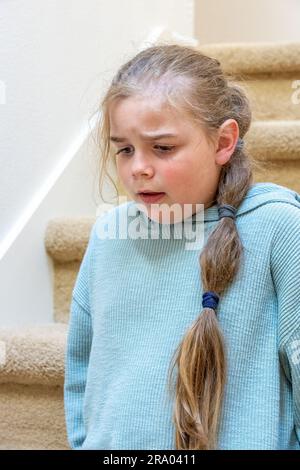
{"x": 145, "y": 136}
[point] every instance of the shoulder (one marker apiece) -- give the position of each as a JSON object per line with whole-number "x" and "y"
{"x": 271, "y": 203}
{"x": 285, "y": 249}
{"x": 282, "y": 218}
{"x": 270, "y": 214}
{"x": 287, "y": 224}
{"x": 284, "y": 213}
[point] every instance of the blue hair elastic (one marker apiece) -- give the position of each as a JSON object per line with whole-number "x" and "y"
{"x": 210, "y": 300}
{"x": 226, "y": 210}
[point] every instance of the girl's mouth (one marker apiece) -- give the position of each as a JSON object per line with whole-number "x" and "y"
{"x": 149, "y": 198}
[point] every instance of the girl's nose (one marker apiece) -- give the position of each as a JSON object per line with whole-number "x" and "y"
{"x": 142, "y": 167}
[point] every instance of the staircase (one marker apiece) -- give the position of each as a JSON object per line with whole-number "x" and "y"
{"x": 268, "y": 73}
{"x": 32, "y": 359}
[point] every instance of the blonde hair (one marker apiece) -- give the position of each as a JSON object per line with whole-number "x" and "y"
{"x": 193, "y": 82}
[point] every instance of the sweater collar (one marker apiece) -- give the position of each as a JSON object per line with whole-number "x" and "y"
{"x": 257, "y": 195}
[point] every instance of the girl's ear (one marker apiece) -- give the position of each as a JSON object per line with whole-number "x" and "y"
{"x": 227, "y": 140}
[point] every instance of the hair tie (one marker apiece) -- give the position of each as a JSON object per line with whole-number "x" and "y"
{"x": 210, "y": 300}
{"x": 226, "y": 210}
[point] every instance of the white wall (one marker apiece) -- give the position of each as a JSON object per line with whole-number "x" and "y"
{"x": 247, "y": 20}
{"x": 56, "y": 57}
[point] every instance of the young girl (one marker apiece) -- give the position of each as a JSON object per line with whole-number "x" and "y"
{"x": 171, "y": 347}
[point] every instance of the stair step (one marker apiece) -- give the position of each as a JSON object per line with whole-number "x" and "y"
{"x": 252, "y": 58}
{"x": 32, "y": 417}
{"x": 31, "y": 392}
{"x": 269, "y": 73}
{"x": 33, "y": 355}
{"x": 274, "y": 140}
{"x": 68, "y": 242}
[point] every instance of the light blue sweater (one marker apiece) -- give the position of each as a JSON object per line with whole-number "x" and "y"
{"x": 135, "y": 298}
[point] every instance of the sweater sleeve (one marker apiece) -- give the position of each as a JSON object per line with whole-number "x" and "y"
{"x": 285, "y": 267}
{"x": 79, "y": 341}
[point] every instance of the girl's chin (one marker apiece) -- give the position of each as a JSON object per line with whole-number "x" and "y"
{"x": 165, "y": 214}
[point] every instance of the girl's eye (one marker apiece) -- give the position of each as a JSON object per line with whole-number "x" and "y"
{"x": 165, "y": 148}
{"x": 161, "y": 148}
{"x": 122, "y": 150}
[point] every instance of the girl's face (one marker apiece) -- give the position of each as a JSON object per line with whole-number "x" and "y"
{"x": 183, "y": 165}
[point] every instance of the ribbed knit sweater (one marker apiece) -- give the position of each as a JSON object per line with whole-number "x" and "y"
{"x": 134, "y": 299}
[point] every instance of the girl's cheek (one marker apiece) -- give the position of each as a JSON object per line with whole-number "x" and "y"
{"x": 180, "y": 176}
{"x": 171, "y": 175}
{"x": 122, "y": 171}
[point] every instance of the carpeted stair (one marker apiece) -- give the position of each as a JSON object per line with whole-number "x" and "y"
{"x": 270, "y": 75}
{"x": 31, "y": 393}
{"x": 32, "y": 359}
